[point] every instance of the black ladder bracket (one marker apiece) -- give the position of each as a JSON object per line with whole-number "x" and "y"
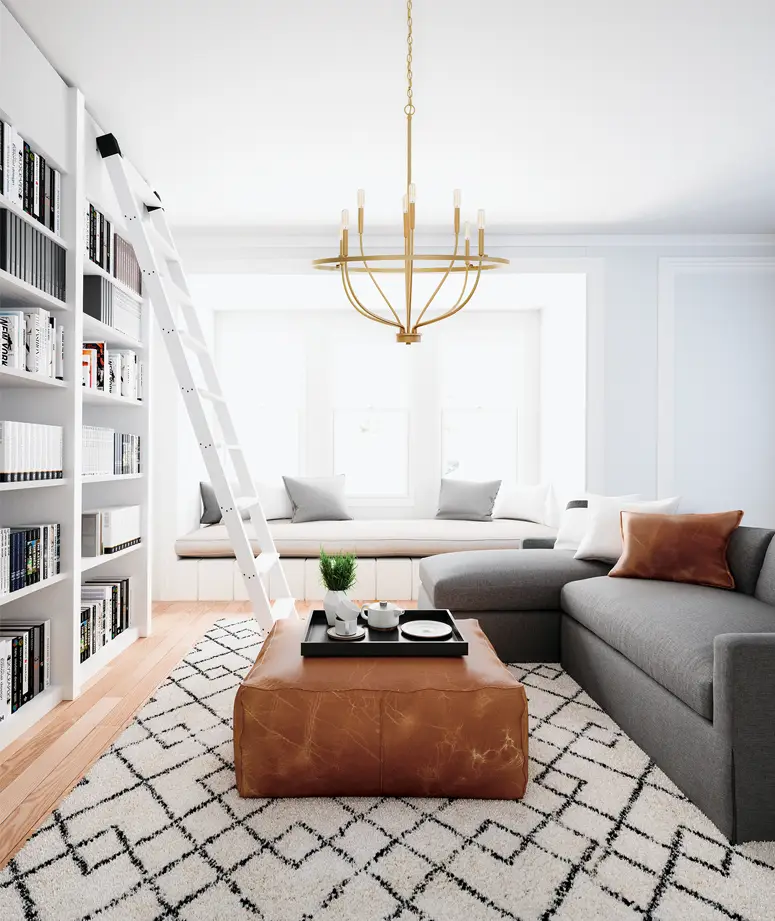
{"x": 107, "y": 145}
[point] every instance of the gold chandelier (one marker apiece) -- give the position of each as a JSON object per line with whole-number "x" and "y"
{"x": 411, "y": 263}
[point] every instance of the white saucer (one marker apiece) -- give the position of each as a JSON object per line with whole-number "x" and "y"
{"x": 338, "y": 636}
{"x": 426, "y": 630}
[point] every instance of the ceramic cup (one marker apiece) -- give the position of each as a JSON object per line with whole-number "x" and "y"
{"x": 346, "y": 627}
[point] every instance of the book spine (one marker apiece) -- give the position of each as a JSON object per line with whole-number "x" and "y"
{"x": 5, "y": 678}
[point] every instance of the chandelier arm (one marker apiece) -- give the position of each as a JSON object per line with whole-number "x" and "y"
{"x": 459, "y": 306}
{"x": 460, "y": 298}
{"x": 376, "y": 283}
{"x": 439, "y": 286}
{"x": 353, "y": 298}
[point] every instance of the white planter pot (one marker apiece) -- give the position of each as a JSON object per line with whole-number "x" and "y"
{"x": 331, "y": 604}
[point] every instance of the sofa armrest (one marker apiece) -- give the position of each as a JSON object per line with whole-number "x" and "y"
{"x": 744, "y": 713}
{"x": 538, "y": 543}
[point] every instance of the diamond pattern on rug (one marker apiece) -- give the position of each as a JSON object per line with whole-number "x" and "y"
{"x": 157, "y": 830}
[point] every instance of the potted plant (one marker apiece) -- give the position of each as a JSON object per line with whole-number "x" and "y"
{"x": 337, "y": 573}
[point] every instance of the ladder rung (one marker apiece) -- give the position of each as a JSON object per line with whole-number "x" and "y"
{"x": 266, "y": 561}
{"x": 222, "y": 446}
{"x": 213, "y": 397}
{"x": 283, "y": 608}
{"x": 191, "y": 343}
{"x": 178, "y": 294}
{"x": 167, "y": 249}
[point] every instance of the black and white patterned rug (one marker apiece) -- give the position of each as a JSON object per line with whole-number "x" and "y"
{"x": 156, "y": 830}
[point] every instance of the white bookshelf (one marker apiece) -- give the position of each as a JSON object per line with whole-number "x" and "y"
{"x": 54, "y": 121}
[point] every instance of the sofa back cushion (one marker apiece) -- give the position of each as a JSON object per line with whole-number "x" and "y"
{"x": 745, "y": 555}
{"x": 765, "y": 585}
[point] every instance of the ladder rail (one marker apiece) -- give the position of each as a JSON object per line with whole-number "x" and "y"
{"x": 163, "y": 297}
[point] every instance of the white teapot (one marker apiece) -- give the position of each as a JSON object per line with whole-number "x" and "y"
{"x": 382, "y": 615}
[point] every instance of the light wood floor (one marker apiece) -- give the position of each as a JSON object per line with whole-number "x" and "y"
{"x": 44, "y": 764}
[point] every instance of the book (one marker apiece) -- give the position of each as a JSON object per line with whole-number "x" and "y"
{"x": 12, "y": 339}
{"x": 108, "y": 530}
{"x": 112, "y": 306}
{"x": 31, "y": 256}
{"x": 30, "y": 451}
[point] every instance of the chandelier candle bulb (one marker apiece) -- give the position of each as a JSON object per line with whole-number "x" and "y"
{"x": 408, "y": 318}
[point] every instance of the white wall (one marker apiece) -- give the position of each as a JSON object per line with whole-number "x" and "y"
{"x": 563, "y": 405}
{"x": 717, "y": 377}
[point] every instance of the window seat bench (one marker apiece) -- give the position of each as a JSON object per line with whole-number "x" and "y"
{"x": 389, "y": 552}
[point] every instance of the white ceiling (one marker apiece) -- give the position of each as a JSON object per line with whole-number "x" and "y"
{"x": 554, "y": 115}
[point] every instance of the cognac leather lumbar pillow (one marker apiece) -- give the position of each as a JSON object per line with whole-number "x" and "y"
{"x": 677, "y": 548}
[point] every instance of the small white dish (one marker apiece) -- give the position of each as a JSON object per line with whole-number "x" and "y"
{"x": 358, "y": 635}
{"x": 426, "y": 630}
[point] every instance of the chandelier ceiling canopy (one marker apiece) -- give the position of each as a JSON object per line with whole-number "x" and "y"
{"x": 408, "y": 319}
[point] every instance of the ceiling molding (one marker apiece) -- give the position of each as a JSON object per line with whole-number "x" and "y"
{"x": 290, "y": 251}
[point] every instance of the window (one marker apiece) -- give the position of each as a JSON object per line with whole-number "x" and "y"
{"x": 479, "y": 396}
{"x": 265, "y": 388}
{"x": 370, "y": 400}
{"x": 315, "y": 393}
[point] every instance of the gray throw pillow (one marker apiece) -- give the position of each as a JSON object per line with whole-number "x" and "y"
{"x": 467, "y": 500}
{"x": 211, "y": 511}
{"x": 317, "y": 498}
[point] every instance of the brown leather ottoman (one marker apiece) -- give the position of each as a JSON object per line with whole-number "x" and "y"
{"x": 369, "y": 726}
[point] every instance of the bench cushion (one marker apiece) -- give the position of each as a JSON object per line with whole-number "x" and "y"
{"x": 667, "y": 628}
{"x": 503, "y": 580}
{"x": 407, "y": 537}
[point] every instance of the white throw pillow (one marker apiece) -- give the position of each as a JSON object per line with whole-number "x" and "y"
{"x": 274, "y": 500}
{"x": 525, "y": 503}
{"x": 603, "y": 537}
{"x": 575, "y": 520}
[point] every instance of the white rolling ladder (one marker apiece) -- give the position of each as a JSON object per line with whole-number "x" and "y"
{"x": 166, "y": 284}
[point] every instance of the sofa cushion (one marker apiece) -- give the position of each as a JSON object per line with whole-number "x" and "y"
{"x": 503, "y": 580}
{"x": 765, "y": 583}
{"x": 666, "y": 628}
{"x": 745, "y": 556}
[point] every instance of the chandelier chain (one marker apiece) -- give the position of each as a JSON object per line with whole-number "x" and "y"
{"x": 409, "y": 107}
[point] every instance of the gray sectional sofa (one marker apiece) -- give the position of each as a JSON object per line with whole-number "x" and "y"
{"x": 687, "y": 671}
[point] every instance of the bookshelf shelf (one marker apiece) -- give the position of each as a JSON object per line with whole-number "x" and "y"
{"x": 91, "y": 268}
{"x": 110, "y": 477}
{"x": 90, "y": 562}
{"x": 29, "y": 219}
{"x": 33, "y": 484}
{"x": 105, "y": 656}
{"x": 15, "y": 291}
{"x": 99, "y": 396}
{"x": 96, "y": 331}
{"x": 31, "y": 589}
{"x": 16, "y": 377}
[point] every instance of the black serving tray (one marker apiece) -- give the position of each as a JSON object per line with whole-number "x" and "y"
{"x": 386, "y": 643}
